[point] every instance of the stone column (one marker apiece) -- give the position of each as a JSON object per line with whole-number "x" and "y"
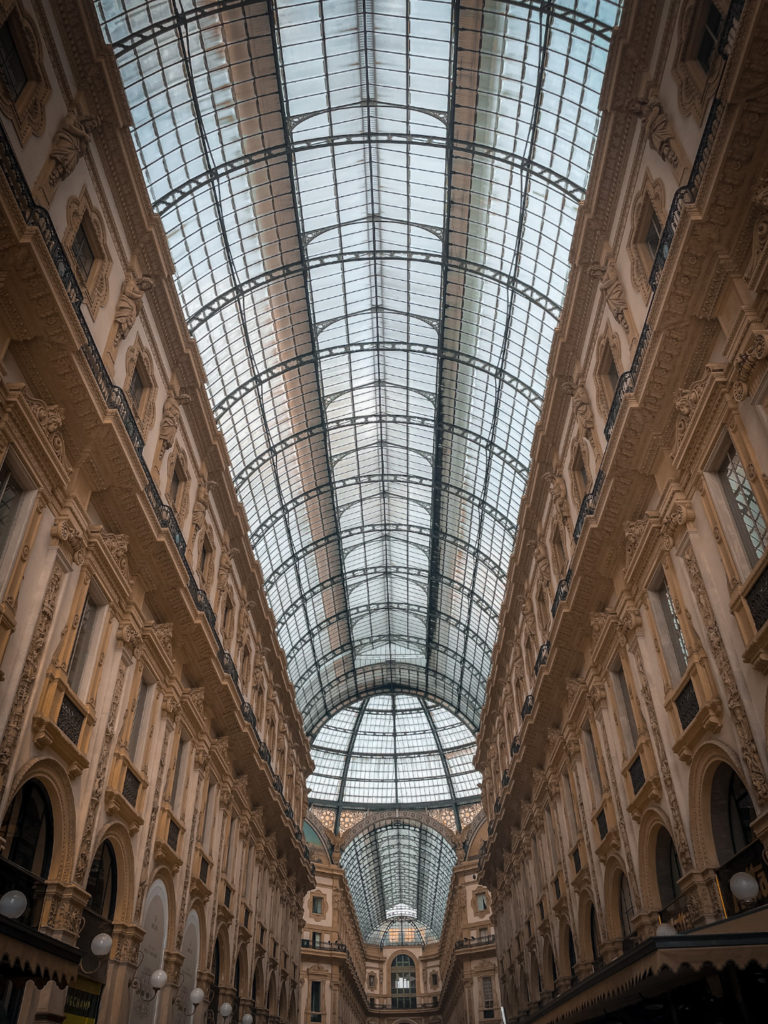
{"x": 124, "y": 956}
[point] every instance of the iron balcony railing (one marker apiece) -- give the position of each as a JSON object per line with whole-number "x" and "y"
{"x": 115, "y": 398}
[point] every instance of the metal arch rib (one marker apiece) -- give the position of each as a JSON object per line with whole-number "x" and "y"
{"x": 290, "y": 161}
{"x": 180, "y": 26}
{"x": 444, "y": 759}
{"x": 304, "y": 496}
{"x": 364, "y": 572}
{"x": 347, "y": 759}
{"x": 249, "y": 161}
{"x": 152, "y": 32}
{"x": 203, "y": 314}
{"x": 346, "y": 422}
{"x": 226, "y": 403}
{"x": 313, "y": 725}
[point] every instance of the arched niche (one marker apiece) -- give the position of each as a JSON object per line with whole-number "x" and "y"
{"x": 190, "y": 950}
{"x": 154, "y": 921}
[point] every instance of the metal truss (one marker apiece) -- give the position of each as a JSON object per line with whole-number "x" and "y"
{"x": 273, "y": 373}
{"x": 366, "y": 478}
{"x": 299, "y": 268}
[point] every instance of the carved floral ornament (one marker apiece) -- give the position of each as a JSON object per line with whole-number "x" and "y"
{"x": 51, "y": 419}
{"x": 744, "y": 365}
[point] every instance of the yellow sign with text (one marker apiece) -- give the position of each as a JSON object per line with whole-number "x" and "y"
{"x": 82, "y": 1005}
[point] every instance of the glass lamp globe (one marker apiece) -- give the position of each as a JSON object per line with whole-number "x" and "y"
{"x": 246, "y": 1019}
{"x": 666, "y": 928}
{"x": 101, "y": 944}
{"x": 158, "y": 979}
{"x": 744, "y": 887}
{"x": 196, "y": 996}
{"x": 13, "y": 904}
{"x": 225, "y": 1010}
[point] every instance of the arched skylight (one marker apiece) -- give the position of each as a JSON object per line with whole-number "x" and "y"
{"x": 394, "y": 750}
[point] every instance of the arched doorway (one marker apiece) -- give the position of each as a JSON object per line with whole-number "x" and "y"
{"x": 27, "y": 829}
{"x": 190, "y": 950}
{"x": 98, "y": 915}
{"x": 668, "y": 870}
{"x": 626, "y": 908}
{"x": 403, "y": 982}
{"x": 731, "y": 814}
{"x": 212, "y": 1015}
{"x": 154, "y": 921}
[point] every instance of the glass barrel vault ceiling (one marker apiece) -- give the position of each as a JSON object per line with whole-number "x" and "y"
{"x": 369, "y": 204}
{"x": 399, "y": 872}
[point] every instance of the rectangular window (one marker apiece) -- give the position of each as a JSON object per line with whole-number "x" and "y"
{"x": 138, "y": 719}
{"x": 10, "y": 497}
{"x": 83, "y": 252}
{"x": 175, "y": 487}
{"x": 208, "y": 816}
{"x": 625, "y": 709}
{"x": 12, "y": 71}
{"x": 653, "y": 234}
{"x": 82, "y": 642}
{"x": 592, "y": 766}
{"x": 481, "y": 901}
{"x": 231, "y": 844}
{"x": 487, "y": 998}
{"x": 710, "y": 35}
{"x": 136, "y": 390}
{"x": 316, "y": 939}
{"x": 177, "y": 772}
{"x": 674, "y": 633}
{"x": 315, "y": 1014}
{"x": 743, "y": 505}
{"x": 317, "y": 904}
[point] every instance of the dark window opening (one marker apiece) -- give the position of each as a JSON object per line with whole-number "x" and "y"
{"x": 136, "y": 389}
{"x": 710, "y": 36}
{"x": 102, "y": 882}
{"x": 82, "y": 250}
{"x": 12, "y": 71}
{"x": 653, "y": 234}
{"x": 10, "y": 495}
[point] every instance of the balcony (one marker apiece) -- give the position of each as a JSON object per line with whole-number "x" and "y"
{"x": 475, "y": 940}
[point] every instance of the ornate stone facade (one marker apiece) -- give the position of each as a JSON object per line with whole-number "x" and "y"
{"x": 634, "y": 787}
{"x": 126, "y": 707}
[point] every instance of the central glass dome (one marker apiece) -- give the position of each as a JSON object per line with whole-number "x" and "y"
{"x": 394, "y": 750}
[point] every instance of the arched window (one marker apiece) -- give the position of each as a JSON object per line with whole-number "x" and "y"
{"x": 732, "y": 813}
{"x": 594, "y": 933}
{"x": 403, "y": 983}
{"x": 213, "y": 996}
{"x": 668, "y": 869}
{"x": 626, "y": 908}
{"x": 28, "y": 828}
{"x": 102, "y": 882}
{"x": 571, "y": 953}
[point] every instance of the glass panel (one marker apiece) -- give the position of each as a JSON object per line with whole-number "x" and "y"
{"x": 375, "y": 353}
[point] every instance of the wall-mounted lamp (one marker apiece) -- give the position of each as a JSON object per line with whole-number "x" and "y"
{"x": 196, "y": 996}
{"x": 226, "y": 1010}
{"x": 13, "y": 904}
{"x": 158, "y": 980}
{"x": 744, "y": 887}
{"x": 101, "y": 946}
{"x": 246, "y": 1019}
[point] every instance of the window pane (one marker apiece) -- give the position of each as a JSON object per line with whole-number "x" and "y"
{"x": 744, "y": 506}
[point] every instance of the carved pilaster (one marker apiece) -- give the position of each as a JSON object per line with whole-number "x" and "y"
{"x": 717, "y": 646}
